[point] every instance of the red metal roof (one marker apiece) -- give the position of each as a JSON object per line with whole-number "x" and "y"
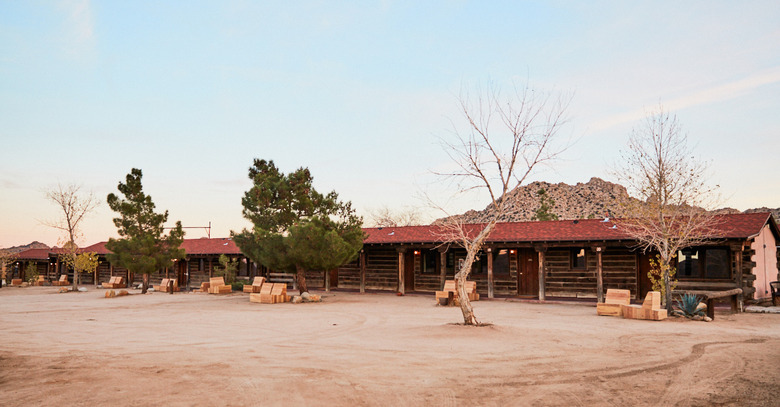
{"x": 210, "y": 246}
{"x": 732, "y": 226}
{"x": 33, "y": 254}
{"x": 191, "y": 246}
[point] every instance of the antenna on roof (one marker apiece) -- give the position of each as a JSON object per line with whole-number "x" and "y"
{"x": 206, "y": 228}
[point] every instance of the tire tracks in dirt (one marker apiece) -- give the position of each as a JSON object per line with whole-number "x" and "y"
{"x": 697, "y": 351}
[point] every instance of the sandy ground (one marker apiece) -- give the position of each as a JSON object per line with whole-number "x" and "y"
{"x": 370, "y": 350}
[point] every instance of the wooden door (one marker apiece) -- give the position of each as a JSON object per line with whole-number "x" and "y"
{"x": 334, "y": 278}
{"x": 642, "y": 278}
{"x": 409, "y": 270}
{"x": 528, "y": 273}
{"x": 181, "y": 273}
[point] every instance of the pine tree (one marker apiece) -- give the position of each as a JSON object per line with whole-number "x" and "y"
{"x": 142, "y": 247}
{"x": 546, "y": 204}
{"x": 295, "y": 227}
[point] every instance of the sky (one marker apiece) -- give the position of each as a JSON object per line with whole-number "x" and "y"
{"x": 362, "y": 93}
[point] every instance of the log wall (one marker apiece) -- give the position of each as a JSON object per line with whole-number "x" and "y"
{"x": 382, "y": 269}
{"x": 561, "y": 280}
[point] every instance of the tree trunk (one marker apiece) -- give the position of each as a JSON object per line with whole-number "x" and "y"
{"x": 145, "y": 284}
{"x": 667, "y": 289}
{"x": 465, "y": 303}
{"x": 300, "y": 276}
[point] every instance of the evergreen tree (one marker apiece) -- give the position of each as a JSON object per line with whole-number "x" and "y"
{"x": 546, "y": 204}
{"x": 295, "y": 227}
{"x": 142, "y": 247}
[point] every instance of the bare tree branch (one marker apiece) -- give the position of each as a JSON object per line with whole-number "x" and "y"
{"x": 74, "y": 206}
{"x": 672, "y": 213}
{"x": 498, "y": 156}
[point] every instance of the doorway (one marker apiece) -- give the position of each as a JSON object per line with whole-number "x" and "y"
{"x": 527, "y": 273}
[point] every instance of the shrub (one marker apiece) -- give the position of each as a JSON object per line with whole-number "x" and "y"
{"x": 31, "y": 272}
{"x": 689, "y": 305}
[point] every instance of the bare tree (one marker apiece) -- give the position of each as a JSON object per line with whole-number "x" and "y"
{"x": 660, "y": 169}
{"x": 507, "y": 138}
{"x": 74, "y": 206}
{"x": 386, "y": 217}
{"x": 6, "y": 260}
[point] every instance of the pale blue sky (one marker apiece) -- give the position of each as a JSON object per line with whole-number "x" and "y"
{"x": 359, "y": 92}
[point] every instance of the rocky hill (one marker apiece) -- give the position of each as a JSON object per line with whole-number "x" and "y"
{"x": 34, "y": 245}
{"x": 594, "y": 199}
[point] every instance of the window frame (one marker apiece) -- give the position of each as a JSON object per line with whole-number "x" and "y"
{"x": 574, "y": 254}
{"x": 701, "y": 274}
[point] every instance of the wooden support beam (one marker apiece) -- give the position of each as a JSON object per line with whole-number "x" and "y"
{"x": 401, "y": 283}
{"x": 490, "y": 271}
{"x": 540, "y": 251}
{"x": 599, "y": 275}
{"x": 362, "y": 271}
{"x": 442, "y": 266}
{"x": 327, "y": 281}
{"x": 738, "y": 275}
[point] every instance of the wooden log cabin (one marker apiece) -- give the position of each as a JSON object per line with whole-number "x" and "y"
{"x": 569, "y": 259}
{"x": 198, "y": 265}
{"x": 43, "y": 259}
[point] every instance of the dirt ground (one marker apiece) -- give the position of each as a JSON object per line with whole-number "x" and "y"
{"x": 370, "y": 350}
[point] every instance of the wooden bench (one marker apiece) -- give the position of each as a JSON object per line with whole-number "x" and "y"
{"x": 41, "y": 280}
{"x": 165, "y": 285}
{"x": 204, "y": 288}
{"x": 279, "y": 293}
{"x": 115, "y": 282}
{"x": 650, "y": 308}
{"x": 264, "y": 296}
{"x": 710, "y": 297}
{"x": 257, "y": 283}
{"x": 62, "y": 281}
{"x": 611, "y": 305}
{"x": 283, "y": 278}
{"x": 451, "y": 293}
{"x": 217, "y": 286}
{"x": 16, "y": 282}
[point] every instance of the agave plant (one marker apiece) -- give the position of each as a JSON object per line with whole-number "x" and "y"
{"x": 689, "y": 305}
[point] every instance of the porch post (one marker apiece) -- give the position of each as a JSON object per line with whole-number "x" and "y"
{"x": 738, "y": 275}
{"x": 599, "y": 275}
{"x": 540, "y": 251}
{"x": 442, "y": 266}
{"x": 490, "y": 271}
{"x": 362, "y": 271}
{"x": 401, "y": 283}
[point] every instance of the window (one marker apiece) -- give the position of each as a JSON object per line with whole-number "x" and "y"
{"x": 501, "y": 261}
{"x": 707, "y": 263}
{"x": 579, "y": 259}
{"x": 429, "y": 261}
